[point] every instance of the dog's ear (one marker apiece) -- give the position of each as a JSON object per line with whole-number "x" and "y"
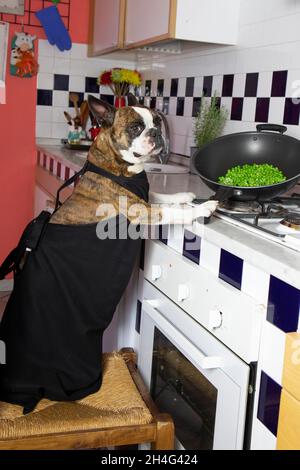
{"x": 132, "y": 100}
{"x": 103, "y": 112}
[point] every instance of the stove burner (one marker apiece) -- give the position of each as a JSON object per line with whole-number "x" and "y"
{"x": 240, "y": 207}
{"x": 292, "y": 221}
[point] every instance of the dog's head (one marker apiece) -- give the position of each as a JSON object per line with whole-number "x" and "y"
{"x": 134, "y": 131}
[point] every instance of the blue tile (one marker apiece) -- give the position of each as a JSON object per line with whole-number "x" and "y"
{"x": 91, "y": 85}
{"x": 227, "y": 85}
{"x": 196, "y": 106}
{"x": 174, "y": 86}
{"x": 180, "y": 107}
{"x": 80, "y": 99}
{"x": 262, "y": 110}
{"x": 138, "y": 317}
{"x": 61, "y": 82}
{"x": 160, "y": 87}
{"x": 217, "y": 102}
{"x": 279, "y": 83}
{"x": 166, "y": 104}
{"x": 269, "y": 403}
{"x": 283, "y": 305}
{"x": 142, "y": 255}
{"x": 207, "y": 85}
{"x": 291, "y": 111}
{"x": 44, "y": 97}
{"x": 237, "y": 109}
{"x": 231, "y": 269}
{"x": 148, "y": 88}
{"x": 189, "y": 89}
{"x": 108, "y": 98}
{"x": 153, "y": 102}
{"x": 163, "y": 233}
{"x": 251, "y": 85}
{"x": 191, "y": 246}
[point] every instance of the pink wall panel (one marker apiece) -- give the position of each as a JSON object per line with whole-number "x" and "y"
{"x": 17, "y": 139}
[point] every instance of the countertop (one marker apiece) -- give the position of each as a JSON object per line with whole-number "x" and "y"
{"x": 158, "y": 182}
{"x": 265, "y": 254}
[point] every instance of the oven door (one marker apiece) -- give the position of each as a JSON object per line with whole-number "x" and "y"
{"x": 192, "y": 376}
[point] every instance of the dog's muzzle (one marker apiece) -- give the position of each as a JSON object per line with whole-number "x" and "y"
{"x": 156, "y": 139}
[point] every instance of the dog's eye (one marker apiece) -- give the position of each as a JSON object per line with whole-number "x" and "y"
{"x": 137, "y": 128}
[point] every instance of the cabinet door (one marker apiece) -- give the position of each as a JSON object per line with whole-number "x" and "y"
{"x": 148, "y": 22}
{"x": 288, "y": 434}
{"x": 107, "y": 26}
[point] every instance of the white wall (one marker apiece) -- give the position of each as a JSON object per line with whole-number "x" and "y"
{"x": 269, "y": 40}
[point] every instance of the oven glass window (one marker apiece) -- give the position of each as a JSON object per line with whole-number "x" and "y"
{"x": 180, "y": 389}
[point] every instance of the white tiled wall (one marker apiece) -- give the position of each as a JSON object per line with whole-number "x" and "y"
{"x": 50, "y": 121}
{"x": 269, "y": 40}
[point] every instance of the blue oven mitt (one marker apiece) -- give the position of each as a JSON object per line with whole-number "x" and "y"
{"x": 54, "y": 27}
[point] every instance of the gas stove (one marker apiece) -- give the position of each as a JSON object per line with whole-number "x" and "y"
{"x": 277, "y": 220}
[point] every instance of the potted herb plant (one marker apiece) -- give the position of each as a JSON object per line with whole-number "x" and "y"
{"x": 209, "y": 122}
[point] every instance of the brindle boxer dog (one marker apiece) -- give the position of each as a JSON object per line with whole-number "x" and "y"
{"x": 129, "y": 137}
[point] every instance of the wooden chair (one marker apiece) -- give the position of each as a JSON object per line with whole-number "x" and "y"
{"x": 122, "y": 413}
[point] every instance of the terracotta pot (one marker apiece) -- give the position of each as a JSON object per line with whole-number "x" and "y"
{"x": 120, "y": 101}
{"x": 94, "y": 131}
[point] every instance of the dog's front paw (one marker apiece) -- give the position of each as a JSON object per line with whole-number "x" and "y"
{"x": 206, "y": 209}
{"x": 183, "y": 198}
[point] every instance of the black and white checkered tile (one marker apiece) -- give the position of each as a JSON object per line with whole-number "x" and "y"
{"x": 254, "y": 97}
{"x": 63, "y": 85}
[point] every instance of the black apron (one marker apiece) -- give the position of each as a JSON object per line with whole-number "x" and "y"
{"x": 63, "y": 299}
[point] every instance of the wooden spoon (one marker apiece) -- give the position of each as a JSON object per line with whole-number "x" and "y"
{"x": 74, "y": 98}
{"x": 84, "y": 114}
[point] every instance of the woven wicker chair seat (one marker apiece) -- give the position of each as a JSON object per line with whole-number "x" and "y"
{"x": 117, "y": 403}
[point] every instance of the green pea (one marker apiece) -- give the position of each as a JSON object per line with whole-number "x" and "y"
{"x": 252, "y": 175}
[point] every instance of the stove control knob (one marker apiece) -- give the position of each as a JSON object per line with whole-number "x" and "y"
{"x": 156, "y": 272}
{"x": 215, "y": 319}
{"x": 183, "y": 292}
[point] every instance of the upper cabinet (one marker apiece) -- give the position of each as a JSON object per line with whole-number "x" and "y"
{"x": 106, "y": 26}
{"x": 149, "y": 21}
{"x": 128, "y": 24}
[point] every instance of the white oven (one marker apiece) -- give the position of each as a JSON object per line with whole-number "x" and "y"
{"x": 192, "y": 375}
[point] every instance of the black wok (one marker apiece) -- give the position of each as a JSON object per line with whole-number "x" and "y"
{"x": 263, "y": 146}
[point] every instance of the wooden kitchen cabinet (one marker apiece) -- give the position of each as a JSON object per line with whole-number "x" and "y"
{"x": 291, "y": 369}
{"x": 143, "y": 23}
{"x": 147, "y": 22}
{"x": 288, "y": 435}
{"x": 128, "y": 24}
{"x": 106, "y": 26}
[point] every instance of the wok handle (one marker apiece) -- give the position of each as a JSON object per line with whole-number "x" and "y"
{"x": 271, "y": 127}
{"x": 222, "y": 194}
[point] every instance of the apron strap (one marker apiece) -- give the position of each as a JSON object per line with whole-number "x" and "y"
{"x": 138, "y": 185}
{"x": 68, "y": 183}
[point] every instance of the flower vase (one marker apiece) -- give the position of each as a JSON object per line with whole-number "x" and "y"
{"x": 120, "y": 101}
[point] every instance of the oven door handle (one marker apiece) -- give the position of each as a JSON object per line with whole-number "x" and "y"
{"x": 205, "y": 362}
